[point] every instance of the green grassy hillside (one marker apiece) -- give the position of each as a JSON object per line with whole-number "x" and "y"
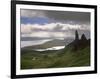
{"x": 55, "y": 59}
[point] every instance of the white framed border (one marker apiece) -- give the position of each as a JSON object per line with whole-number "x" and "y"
{"x": 52, "y": 70}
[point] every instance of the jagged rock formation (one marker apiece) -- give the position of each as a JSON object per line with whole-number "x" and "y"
{"x": 79, "y": 43}
{"x": 76, "y": 35}
{"x": 83, "y": 37}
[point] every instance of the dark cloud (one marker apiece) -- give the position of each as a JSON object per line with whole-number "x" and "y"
{"x": 64, "y": 16}
{"x": 69, "y": 16}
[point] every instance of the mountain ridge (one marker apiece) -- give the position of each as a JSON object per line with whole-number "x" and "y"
{"x": 51, "y": 43}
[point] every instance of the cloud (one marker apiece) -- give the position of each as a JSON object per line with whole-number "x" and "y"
{"x": 52, "y": 27}
{"x": 32, "y": 13}
{"x": 53, "y": 30}
{"x": 76, "y": 17}
{"x": 65, "y": 16}
{"x": 54, "y": 24}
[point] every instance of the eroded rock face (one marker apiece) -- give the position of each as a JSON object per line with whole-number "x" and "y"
{"x": 79, "y": 43}
{"x": 83, "y": 37}
{"x": 76, "y": 35}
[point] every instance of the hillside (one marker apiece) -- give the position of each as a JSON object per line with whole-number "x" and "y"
{"x": 75, "y": 54}
{"x": 52, "y": 43}
{"x": 49, "y": 59}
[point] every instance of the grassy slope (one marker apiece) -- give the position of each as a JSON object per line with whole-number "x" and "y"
{"x": 52, "y": 59}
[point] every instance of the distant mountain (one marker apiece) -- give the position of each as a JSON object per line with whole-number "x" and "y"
{"x": 76, "y": 44}
{"x": 52, "y": 43}
{"x": 32, "y": 38}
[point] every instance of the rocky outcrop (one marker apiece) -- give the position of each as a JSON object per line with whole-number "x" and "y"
{"x": 79, "y": 43}
{"x": 76, "y": 35}
{"x": 83, "y": 37}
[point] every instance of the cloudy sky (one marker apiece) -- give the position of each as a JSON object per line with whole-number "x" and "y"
{"x": 53, "y": 24}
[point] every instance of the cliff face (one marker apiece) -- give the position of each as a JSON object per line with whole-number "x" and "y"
{"x": 79, "y": 43}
